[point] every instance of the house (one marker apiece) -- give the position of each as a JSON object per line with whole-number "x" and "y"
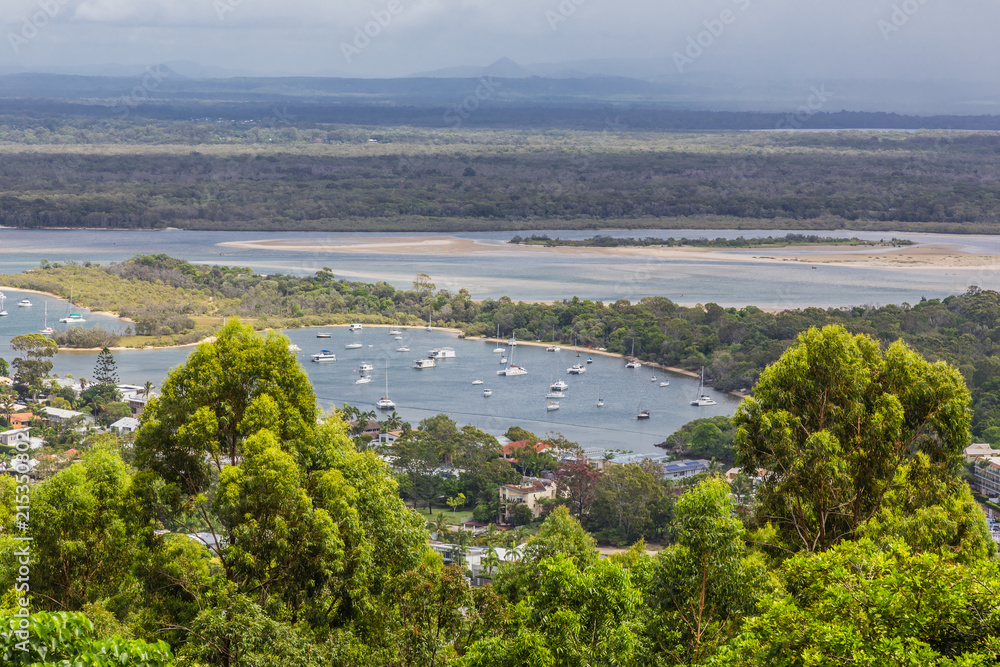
{"x": 530, "y": 492}
{"x": 508, "y": 452}
{"x": 135, "y": 397}
{"x": 14, "y": 436}
{"x": 373, "y": 428}
{"x": 682, "y": 469}
{"x": 975, "y": 450}
{"x": 389, "y": 437}
{"x": 58, "y": 415}
{"x": 126, "y": 425}
{"x": 987, "y": 472}
{"x": 21, "y": 419}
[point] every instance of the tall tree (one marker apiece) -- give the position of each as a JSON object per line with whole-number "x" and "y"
{"x": 106, "y": 370}
{"x": 836, "y": 424}
{"x": 34, "y": 365}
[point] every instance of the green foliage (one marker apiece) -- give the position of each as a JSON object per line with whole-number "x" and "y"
{"x": 33, "y": 366}
{"x": 708, "y": 438}
{"x": 69, "y": 640}
{"x": 627, "y": 503}
{"x": 836, "y": 420}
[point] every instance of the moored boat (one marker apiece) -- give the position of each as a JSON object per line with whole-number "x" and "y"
{"x": 324, "y": 355}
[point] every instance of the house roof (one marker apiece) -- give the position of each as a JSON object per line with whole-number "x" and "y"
{"x": 126, "y": 422}
{"x": 533, "y": 486}
{"x": 538, "y": 446}
{"x": 682, "y": 466}
{"x": 64, "y": 414}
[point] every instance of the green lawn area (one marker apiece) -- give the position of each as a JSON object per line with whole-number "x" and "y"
{"x": 451, "y": 517}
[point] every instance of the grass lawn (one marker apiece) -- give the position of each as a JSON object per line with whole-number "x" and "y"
{"x": 452, "y": 517}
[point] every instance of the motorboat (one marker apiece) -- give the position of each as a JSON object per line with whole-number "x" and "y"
{"x": 395, "y": 332}
{"x": 487, "y": 393}
{"x": 477, "y": 382}
{"x": 402, "y": 349}
{"x": 24, "y": 303}
{"x": 552, "y": 348}
{"x": 559, "y": 385}
{"x": 652, "y": 379}
{"x": 703, "y": 399}
{"x": 355, "y": 327}
{"x": 555, "y": 394}
{"x": 324, "y": 355}
{"x": 442, "y": 353}
{"x": 512, "y": 342}
{"x": 590, "y": 360}
{"x": 365, "y": 367}
{"x": 353, "y": 346}
{"x": 633, "y": 364}
{"x": 365, "y": 379}
{"x": 397, "y": 338}
{"x": 323, "y": 334}
{"x": 424, "y": 363}
{"x": 292, "y": 347}
{"x": 665, "y": 384}
{"x": 576, "y": 369}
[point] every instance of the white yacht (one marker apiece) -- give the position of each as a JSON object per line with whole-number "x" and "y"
{"x": 477, "y": 382}
{"x": 355, "y": 327}
{"x": 499, "y": 347}
{"x": 402, "y": 349}
{"x": 364, "y": 379}
{"x": 323, "y": 334}
{"x": 46, "y": 329}
{"x": 552, "y": 348}
{"x": 551, "y": 405}
{"x": 24, "y": 303}
{"x": 555, "y": 394}
{"x": 74, "y": 318}
{"x": 3, "y": 312}
{"x": 353, "y": 346}
{"x": 424, "y": 363}
{"x": 576, "y": 369}
{"x": 633, "y": 364}
{"x": 365, "y": 367}
{"x": 442, "y": 353}
{"x": 559, "y": 385}
{"x": 665, "y": 384}
{"x": 324, "y": 355}
{"x": 395, "y": 332}
{"x": 487, "y": 393}
{"x": 512, "y": 342}
{"x": 292, "y": 347}
{"x": 513, "y": 370}
{"x": 703, "y": 399}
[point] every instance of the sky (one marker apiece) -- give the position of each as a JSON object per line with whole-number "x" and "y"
{"x": 756, "y": 39}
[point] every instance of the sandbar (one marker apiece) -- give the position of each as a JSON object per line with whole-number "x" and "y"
{"x": 934, "y": 256}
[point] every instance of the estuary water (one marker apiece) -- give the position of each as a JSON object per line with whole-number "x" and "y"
{"x": 448, "y": 387}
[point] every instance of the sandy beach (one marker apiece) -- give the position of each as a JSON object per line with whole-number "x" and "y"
{"x": 925, "y": 256}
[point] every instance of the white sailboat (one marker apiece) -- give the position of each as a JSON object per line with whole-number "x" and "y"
{"x": 703, "y": 399}
{"x": 499, "y": 347}
{"x": 512, "y": 369}
{"x": 428, "y": 327}
{"x": 634, "y": 363}
{"x": 46, "y": 329}
{"x": 384, "y": 403}
{"x": 71, "y": 318}
{"x": 3, "y": 312}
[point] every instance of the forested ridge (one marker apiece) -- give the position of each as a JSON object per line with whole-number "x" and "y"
{"x": 240, "y": 177}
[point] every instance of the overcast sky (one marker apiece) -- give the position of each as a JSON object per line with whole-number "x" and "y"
{"x": 766, "y": 39}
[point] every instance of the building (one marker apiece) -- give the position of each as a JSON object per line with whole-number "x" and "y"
{"x": 682, "y": 469}
{"x": 21, "y": 419}
{"x": 58, "y": 415}
{"x": 14, "y": 436}
{"x": 389, "y": 437}
{"x": 529, "y": 492}
{"x": 126, "y": 425}
{"x": 135, "y": 397}
{"x": 509, "y": 450}
{"x": 987, "y": 471}
{"x": 373, "y": 428}
{"x": 975, "y": 450}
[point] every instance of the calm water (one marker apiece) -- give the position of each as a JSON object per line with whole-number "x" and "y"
{"x": 521, "y": 275}
{"x": 448, "y": 388}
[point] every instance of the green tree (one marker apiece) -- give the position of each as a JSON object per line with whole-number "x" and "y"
{"x": 706, "y": 583}
{"x": 106, "y": 369}
{"x": 227, "y": 391}
{"x": 4, "y": 368}
{"x": 34, "y": 365}
{"x": 624, "y": 501}
{"x": 834, "y": 424}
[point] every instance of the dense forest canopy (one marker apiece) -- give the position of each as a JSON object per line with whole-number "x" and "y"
{"x": 234, "y": 175}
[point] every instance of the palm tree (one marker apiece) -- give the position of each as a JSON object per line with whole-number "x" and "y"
{"x": 491, "y": 561}
{"x": 393, "y": 423}
{"x": 146, "y": 388}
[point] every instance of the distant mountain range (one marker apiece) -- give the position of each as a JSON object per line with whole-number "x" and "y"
{"x": 653, "y": 82}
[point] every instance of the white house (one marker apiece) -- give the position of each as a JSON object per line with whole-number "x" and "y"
{"x": 977, "y": 449}
{"x": 529, "y": 492}
{"x": 126, "y": 425}
{"x": 57, "y": 415}
{"x": 14, "y": 436}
